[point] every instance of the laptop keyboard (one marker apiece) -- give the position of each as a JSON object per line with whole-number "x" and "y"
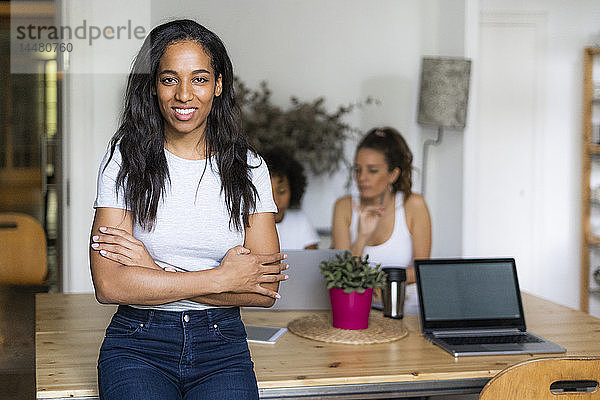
{"x": 492, "y": 339}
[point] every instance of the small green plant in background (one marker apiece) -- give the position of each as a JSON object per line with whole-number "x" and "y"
{"x": 305, "y": 130}
{"x": 352, "y": 273}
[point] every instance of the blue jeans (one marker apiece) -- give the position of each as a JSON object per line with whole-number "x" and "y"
{"x": 152, "y": 354}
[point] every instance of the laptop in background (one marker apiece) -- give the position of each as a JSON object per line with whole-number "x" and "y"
{"x": 305, "y": 288}
{"x": 473, "y": 307}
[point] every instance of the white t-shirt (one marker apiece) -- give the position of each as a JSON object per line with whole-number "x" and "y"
{"x": 295, "y": 231}
{"x": 192, "y": 229}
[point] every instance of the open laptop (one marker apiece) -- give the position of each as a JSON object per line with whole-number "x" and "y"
{"x": 473, "y": 307}
{"x": 306, "y": 288}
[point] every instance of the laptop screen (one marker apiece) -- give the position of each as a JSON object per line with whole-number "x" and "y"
{"x": 469, "y": 293}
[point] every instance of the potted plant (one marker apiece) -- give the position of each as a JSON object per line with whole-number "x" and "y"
{"x": 350, "y": 280}
{"x": 305, "y": 129}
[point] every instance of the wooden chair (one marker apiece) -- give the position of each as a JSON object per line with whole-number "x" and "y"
{"x": 561, "y": 378}
{"x": 22, "y": 250}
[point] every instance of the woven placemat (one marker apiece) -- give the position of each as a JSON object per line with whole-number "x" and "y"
{"x": 319, "y": 327}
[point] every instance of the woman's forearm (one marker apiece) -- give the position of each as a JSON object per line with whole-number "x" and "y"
{"x": 358, "y": 246}
{"x": 119, "y": 284}
{"x": 123, "y": 272}
{"x": 229, "y": 298}
{"x": 236, "y": 299}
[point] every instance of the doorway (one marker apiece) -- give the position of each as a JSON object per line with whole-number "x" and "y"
{"x": 30, "y": 137}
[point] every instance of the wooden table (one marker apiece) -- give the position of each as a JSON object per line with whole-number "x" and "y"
{"x": 70, "y": 327}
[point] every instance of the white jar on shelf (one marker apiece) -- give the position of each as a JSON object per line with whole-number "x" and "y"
{"x": 595, "y": 222}
{"x": 595, "y": 194}
{"x": 596, "y": 94}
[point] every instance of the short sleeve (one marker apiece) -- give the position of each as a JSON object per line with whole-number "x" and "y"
{"x": 106, "y": 193}
{"x": 262, "y": 182}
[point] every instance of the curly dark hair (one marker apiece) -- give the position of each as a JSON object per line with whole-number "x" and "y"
{"x": 396, "y": 152}
{"x": 141, "y": 135}
{"x": 284, "y": 165}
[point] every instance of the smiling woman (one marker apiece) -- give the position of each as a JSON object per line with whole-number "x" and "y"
{"x": 183, "y": 231}
{"x": 185, "y": 88}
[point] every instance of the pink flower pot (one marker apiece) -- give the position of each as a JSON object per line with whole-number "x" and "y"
{"x": 350, "y": 310}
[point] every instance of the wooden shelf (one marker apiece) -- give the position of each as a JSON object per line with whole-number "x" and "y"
{"x": 593, "y": 149}
{"x": 589, "y": 157}
{"x": 594, "y": 241}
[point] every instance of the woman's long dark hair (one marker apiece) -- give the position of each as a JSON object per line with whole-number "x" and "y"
{"x": 144, "y": 172}
{"x": 397, "y": 155}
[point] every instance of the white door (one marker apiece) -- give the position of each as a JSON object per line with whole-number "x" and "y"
{"x": 503, "y": 221}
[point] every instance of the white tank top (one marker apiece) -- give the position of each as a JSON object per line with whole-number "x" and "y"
{"x": 397, "y": 250}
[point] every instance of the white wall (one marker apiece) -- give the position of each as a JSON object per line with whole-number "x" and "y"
{"x": 343, "y": 50}
{"x": 539, "y": 188}
{"x": 446, "y": 21}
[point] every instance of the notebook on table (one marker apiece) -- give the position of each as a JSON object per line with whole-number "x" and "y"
{"x": 473, "y": 307}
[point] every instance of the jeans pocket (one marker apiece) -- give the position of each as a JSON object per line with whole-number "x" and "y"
{"x": 231, "y": 330}
{"x": 122, "y": 327}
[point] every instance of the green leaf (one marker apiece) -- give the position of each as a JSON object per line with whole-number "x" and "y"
{"x": 305, "y": 129}
{"x": 351, "y": 272}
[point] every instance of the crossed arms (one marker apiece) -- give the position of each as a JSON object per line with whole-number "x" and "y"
{"x": 123, "y": 272}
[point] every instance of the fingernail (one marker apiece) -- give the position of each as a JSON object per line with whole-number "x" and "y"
{"x": 102, "y": 229}
{"x": 277, "y": 296}
{"x": 284, "y": 256}
{"x": 285, "y": 277}
{"x": 286, "y": 266}
{"x": 103, "y": 252}
{"x": 95, "y": 245}
{"x": 95, "y": 238}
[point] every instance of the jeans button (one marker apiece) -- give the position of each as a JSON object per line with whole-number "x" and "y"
{"x": 186, "y": 318}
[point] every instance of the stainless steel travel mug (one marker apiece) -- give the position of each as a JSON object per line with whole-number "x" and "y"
{"x": 394, "y": 292}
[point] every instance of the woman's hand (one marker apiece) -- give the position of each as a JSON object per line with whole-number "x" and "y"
{"x": 368, "y": 219}
{"x": 120, "y": 246}
{"x": 244, "y": 272}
